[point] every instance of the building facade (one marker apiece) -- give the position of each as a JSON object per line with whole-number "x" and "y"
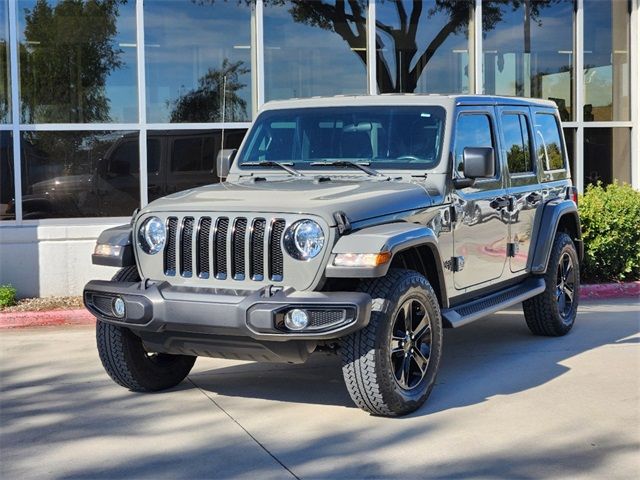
{"x": 106, "y": 105}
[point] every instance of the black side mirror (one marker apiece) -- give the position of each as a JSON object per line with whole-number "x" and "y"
{"x": 478, "y": 162}
{"x": 224, "y": 161}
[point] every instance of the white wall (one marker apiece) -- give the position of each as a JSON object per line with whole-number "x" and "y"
{"x": 45, "y": 259}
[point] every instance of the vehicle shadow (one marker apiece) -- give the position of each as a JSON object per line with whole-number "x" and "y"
{"x": 495, "y": 356}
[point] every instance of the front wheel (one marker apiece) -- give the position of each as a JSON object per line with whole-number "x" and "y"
{"x": 552, "y": 313}
{"x": 390, "y": 366}
{"x": 126, "y": 360}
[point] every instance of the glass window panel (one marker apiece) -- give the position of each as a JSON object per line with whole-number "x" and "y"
{"x": 423, "y": 47}
{"x": 472, "y": 131}
{"x": 384, "y": 137}
{"x": 77, "y": 61}
{"x": 7, "y": 190}
{"x": 314, "y": 48}
{"x": 607, "y": 155}
{"x": 79, "y": 174}
{"x": 516, "y": 139}
{"x": 549, "y": 143}
{"x": 569, "y": 140}
{"x": 606, "y": 60}
{"x": 178, "y": 160}
{"x": 5, "y": 88}
{"x": 198, "y": 57}
{"x": 528, "y": 50}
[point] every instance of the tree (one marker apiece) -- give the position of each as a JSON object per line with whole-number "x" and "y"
{"x": 68, "y": 53}
{"x": 347, "y": 18}
{"x": 215, "y": 88}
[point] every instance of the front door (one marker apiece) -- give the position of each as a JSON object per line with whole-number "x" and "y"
{"x": 480, "y": 232}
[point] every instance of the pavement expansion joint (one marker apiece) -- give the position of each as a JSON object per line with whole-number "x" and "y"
{"x": 243, "y": 428}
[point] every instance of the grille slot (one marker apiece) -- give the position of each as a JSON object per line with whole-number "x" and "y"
{"x": 276, "y": 261}
{"x": 237, "y": 245}
{"x": 220, "y": 249}
{"x": 186, "y": 247}
{"x": 202, "y": 245}
{"x": 170, "y": 249}
{"x": 237, "y": 248}
{"x": 256, "y": 267}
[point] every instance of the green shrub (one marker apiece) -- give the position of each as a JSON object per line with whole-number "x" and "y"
{"x": 610, "y": 217}
{"x": 7, "y": 296}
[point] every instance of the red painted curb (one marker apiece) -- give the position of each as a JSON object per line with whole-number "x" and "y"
{"x": 610, "y": 290}
{"x": 46, "y": 319}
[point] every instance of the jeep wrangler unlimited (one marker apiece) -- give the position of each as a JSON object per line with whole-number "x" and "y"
{"x": 360, "y": 225}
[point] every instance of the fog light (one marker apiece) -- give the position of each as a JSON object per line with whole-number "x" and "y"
{"x": 296, "y": 319}
{"x": 118, "y": 307}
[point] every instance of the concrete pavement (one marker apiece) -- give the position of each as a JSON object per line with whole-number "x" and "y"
{"x": 507, "y": 405}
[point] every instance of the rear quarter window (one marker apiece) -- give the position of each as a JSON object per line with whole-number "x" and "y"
{"x": 549, "y": 144}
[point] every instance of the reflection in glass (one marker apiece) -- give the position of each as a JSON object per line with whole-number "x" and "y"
{"x": 178, "y": 160}
{"x": 471, "y": 131}
{"x": 198, "y": 56}
{"x": 77, "y": 61}
{"x": 423, "y": 47}
{"x": 517, "y": 143}
{"x": 606, "y": 60}
{"x": 549, "y": 143}
{"x": 607, "y": 155}
{"x": 7, "y": 190}
{"x": 383, "y": 137}
{"x": 5, "y": 89}
{"x": 528, "y": 50}
{"x": 314, "y": 48}
{"x": 79, "y": 174}
{"x": 569, "y": 140}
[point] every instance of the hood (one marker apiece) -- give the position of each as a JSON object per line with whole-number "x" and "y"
{"x": 359, "y": 198}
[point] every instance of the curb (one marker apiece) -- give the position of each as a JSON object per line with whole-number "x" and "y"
{"x": 81, "y": 316}
{"x": 51, "y": 318}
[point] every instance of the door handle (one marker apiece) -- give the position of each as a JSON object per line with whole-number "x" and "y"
{"x": 534, "y": 197}
{"x": 500, "y": 202}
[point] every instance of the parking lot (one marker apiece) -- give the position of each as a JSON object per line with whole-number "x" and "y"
{"x": 507, "y": 404}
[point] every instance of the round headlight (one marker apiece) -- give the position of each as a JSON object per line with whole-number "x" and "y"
{"x": 152, "y": 235}
{"x": 304, "y": 240}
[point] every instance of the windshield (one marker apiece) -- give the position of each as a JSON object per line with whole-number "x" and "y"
{"x": 383, "y": 137}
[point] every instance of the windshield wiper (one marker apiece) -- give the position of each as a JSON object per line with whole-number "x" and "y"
{"x": 347, "y": 163}
{"x": 288, "y": 167}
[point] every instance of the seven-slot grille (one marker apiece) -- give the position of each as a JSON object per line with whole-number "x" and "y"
{"x": 236, "y": 248}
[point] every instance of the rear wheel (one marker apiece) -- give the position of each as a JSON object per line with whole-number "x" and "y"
{"x": 553, "y": 312}
{"x": 126, "y": 360}
{"x": 390, "y": 366}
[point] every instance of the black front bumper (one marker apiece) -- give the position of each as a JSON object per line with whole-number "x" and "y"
{"x": 159, "y": 307}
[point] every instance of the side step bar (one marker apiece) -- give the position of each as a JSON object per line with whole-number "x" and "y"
{"x": 468, "y": 312}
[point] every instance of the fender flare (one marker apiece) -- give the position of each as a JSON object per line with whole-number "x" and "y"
{"x": 120, "y": 236}
{"x": 391, "y": 237}
{"x": 552, "y": 214}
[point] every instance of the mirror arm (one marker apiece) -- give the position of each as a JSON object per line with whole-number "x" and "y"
{"x": 463, "y": 182}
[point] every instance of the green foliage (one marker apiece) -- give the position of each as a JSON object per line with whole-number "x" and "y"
{"x": 7, "y": 296}
{"x": 610, "y": 217}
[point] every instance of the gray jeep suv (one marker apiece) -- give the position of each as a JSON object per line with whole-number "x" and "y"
{"x": 357, "y": 225}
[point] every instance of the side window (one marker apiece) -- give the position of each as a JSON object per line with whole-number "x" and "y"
{"x": 517, "y": 143}
{"x": 123, "y": 159}
{"x": 472, "y": 130}
{"x": 153, "y": 155}
{"x": 189, "y": 155}
{"x": 549, "y": 145}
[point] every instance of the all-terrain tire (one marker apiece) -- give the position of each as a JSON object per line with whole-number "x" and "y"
{"x": 367, "y": 361}
{"x": 544, "y": 313}
{"x": 128, "y": 363}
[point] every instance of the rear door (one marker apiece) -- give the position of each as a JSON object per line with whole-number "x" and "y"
{"x": 523, "y": 183}
{"x": 480, "y": 234}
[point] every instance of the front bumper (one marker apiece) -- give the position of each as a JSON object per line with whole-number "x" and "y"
{"x": 158, "y": 307}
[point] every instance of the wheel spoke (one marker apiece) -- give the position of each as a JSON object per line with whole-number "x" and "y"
{"x": 562, "y": 303}
{"x": 408, "y": 316}
{"x": 405, "y": 372}
{"x": 568, "y": 291}
{"x": 396, "y": 351}
{"x": 423, "y": 330}
{"x": 568, "y": 274}
{"x": 421, "y": 361}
